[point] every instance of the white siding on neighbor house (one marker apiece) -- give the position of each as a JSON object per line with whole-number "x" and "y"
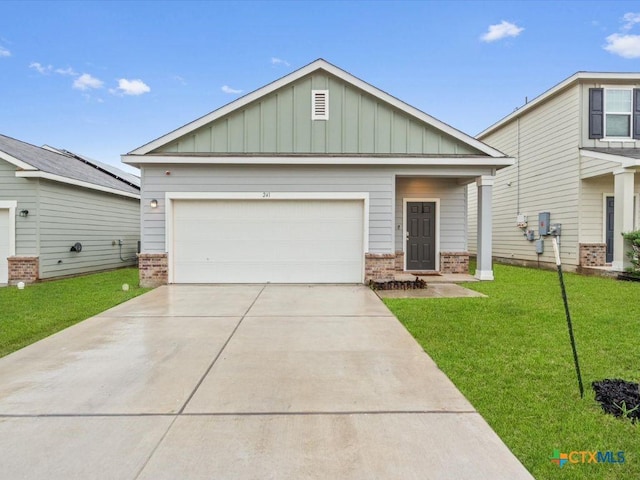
{"x": 544, "y": 179}
{"x": 452, "y": 215}
{"x": 592, "y": 208}
{"x": 25, "y": 192}
{"x": 69, "y": 214}
{"x": 379, "y": 183}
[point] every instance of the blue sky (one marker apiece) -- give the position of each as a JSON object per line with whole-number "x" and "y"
{"x": 103, "y": 78}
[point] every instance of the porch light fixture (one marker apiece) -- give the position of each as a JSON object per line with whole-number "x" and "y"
{"x": 24, "y": 213}
{"x": 154, "y": 203}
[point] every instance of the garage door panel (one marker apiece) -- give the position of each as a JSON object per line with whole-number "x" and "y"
{"x": 252, "y": 241}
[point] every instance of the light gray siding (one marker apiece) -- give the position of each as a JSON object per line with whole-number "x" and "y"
{"x": 378, "y": 182}
{"x": 97, "y": 220}
{"x": 452, "y": 215}
{"x": 281, "y": 123}
{"x": 546, "y": 176}
{"x": 25, "y": 192}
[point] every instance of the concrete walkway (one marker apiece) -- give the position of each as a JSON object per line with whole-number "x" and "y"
{"x": 240, "y": 382}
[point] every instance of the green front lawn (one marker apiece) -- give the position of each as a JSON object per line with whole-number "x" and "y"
{"x": 45, "y": 308}
{"x": 510, "y": 355}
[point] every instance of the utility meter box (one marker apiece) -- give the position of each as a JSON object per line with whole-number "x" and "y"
{"x": 521, "y": 221}
{"x": 540, "y": 246}
{"x": 544, "y": 219}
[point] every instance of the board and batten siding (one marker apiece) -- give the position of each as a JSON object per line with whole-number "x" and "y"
{"x": 25, "y": 192}
{"x": 281, "y": 123}
{"x": 97, "y": 220}
{"x": 545, "y": 178}
{"x": 452, "y": 215}
{"x": 378, "y": 182}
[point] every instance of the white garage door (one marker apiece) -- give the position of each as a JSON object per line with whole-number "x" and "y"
{"x": 4, "y": 245}
{"x": 259, "y": 241}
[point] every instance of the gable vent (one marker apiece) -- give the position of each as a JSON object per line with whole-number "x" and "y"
{"x": 319, "y": 104}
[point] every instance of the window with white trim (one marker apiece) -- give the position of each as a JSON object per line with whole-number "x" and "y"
{"x": 618, "y": 112}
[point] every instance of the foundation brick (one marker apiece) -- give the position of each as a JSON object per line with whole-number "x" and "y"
{"x": 454, "y": 262}
{"x": 379, "y": 266}
{"x": 153, "y": 269}
{"x": 23, "y": 269}
{"x": 593, "y": 254}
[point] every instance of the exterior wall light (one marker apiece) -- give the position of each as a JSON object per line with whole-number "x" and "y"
{"x": 24, "y": 213}
{"x": 154, "y": 203}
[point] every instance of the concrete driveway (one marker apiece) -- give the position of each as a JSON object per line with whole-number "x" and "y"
{"x": 240, "y": 382}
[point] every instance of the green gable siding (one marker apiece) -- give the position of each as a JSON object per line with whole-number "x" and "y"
{"x": 281, "y": 123}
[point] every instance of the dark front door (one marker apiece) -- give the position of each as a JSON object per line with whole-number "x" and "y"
{"x": 421, "y": 236}
{"x": 609, "y": 229}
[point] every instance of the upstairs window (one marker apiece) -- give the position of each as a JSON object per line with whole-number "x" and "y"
{"x": 614, "y": 113}
{"x": 618, "y": 112}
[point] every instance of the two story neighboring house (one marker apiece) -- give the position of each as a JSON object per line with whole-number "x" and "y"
{"x": 577, "y": 151}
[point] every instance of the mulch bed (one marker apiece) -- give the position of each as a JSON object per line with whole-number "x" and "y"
{"x": 418, "y": 283}
{"x": 618, "y": 398}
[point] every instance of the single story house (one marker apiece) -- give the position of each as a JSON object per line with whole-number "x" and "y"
{"x": 318, "y": 177}
{"x": 63, "y": 214}
{"x": 577, "y": 162}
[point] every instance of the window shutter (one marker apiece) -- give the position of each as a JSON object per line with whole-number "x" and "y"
{"x": 596, "y": 112}
{"x": 636, "y": 113}
{"x": 320, "y": 104}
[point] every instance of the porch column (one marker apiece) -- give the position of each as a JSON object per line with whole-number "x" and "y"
{"x": 622, "y": 216}
{"x": 484, "y": 268}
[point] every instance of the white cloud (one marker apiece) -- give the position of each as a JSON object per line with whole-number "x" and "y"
{"x": 279, "y": 61}
{"x": 38, "y": 67}
{"x": 627, "y": 46}
{"x": 4, "y": 52}
{"x": 86, "y": 82}
{"x": 500, "y": 31}
{"x": 630, "y": 19}
{"x": 228, "y": 89}
{"x": 66, "y": 71}
{"x": 131, "y": 87}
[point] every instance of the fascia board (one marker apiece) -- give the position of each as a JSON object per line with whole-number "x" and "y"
{"x": 71, "y": 181}
{"x": 138, "y": 160}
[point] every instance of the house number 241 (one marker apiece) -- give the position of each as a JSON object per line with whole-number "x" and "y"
{"x": 266, "y": 194}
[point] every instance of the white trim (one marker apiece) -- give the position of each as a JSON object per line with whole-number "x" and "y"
{"x": 575, "y": 78}
{"x": 11, "y": 205}
{"x": 319, "y": 64}
{"x": 77, "y": 183}
{"x": 622, "y": 161}
{"x": 485, "y": 180}
{"x": 406, "y": 200}
{"x": 170, "y": 197}
{"x": 138, "y": 160}
{"x": 14, "y": 161}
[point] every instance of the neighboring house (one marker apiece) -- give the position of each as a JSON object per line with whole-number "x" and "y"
{"x": 316, "y": 177}
{"x": 51, "y": 200}
{"x": 577, "y": 151}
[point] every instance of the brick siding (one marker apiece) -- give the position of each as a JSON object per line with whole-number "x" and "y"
{"x": 23, "y": 269}
{"x": 454, "y": 262}
{"x": 379, "y": 266}
{"x": 153, "y": 269}
{"x": 593, "y": 254}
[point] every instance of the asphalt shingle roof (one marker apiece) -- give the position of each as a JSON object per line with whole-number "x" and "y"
{"x": 621, "y": 152}
{"x": 69, "y": 166}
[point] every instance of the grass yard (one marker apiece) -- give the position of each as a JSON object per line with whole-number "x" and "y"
{"x": 39, "y": 310}
{"x": 510, "y": 355}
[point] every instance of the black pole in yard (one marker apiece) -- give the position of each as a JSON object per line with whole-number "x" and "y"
{"x": 566, "y": 309}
